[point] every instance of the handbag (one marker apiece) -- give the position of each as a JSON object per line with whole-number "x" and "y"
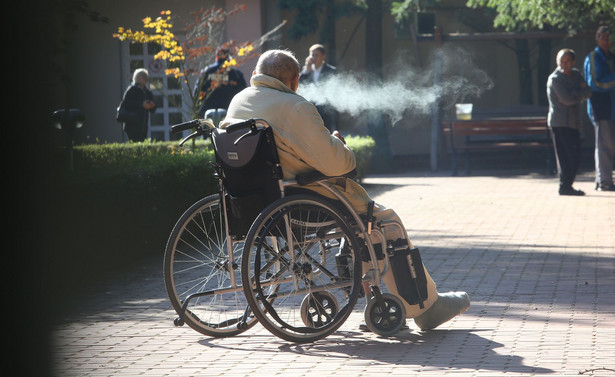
{"x": 124, "y": 115}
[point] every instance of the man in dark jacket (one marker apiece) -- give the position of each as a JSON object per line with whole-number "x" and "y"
{"x": 219, "y": 84}
{"x": 315, "y": 71}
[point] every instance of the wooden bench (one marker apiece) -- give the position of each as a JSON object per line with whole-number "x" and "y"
{"x": 489, "y": 132}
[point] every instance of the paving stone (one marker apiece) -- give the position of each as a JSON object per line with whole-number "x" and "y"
{"x": 539, "y": 268}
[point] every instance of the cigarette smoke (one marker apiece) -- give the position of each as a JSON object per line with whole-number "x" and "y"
{"x": 451, "y": 77}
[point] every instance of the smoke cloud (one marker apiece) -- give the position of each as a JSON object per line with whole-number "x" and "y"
{"x": 451, "y": 77}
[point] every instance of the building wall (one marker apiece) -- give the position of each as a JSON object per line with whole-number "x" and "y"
{"x": 495, "y": 58}
{"x": 411, "y": 135}
{"x": 97, "y": 81}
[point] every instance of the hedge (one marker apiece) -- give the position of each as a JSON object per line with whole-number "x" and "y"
{"x": 121, "y": 201}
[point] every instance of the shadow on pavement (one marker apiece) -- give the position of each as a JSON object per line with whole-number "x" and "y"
{"x": 432, "y": 350}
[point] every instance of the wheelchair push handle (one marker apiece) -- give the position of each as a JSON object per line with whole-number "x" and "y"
{"x": 185, "y": 126}
{"x": 199, "y": 127}
{"x": 250, "y": 123}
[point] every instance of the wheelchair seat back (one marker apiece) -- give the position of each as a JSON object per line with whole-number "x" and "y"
{"x": 248, "y": 166}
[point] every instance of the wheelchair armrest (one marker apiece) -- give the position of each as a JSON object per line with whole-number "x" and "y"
{"x": 315, "y": 176}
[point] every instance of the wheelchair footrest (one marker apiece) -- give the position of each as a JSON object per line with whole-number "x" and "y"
{"x": 408, "y": 272}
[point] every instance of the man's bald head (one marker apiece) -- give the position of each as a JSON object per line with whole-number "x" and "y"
{"x": 281, "y": 64}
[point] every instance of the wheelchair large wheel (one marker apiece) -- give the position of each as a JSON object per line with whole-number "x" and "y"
{"x": 198, "y": 268}
{"x": 301, "y": 268}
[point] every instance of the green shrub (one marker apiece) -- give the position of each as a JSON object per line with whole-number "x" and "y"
{"x": 101, "y": 156}
{"x": 363, "y": 148}
{"x": 121, "y": 201}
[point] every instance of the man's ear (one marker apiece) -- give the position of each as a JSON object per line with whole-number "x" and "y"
{"x": 294, "y": 83}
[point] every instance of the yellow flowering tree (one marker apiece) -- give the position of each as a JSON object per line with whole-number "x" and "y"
{"x": 187, "y": 57}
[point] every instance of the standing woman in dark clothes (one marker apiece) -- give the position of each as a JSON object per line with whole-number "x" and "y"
{"x": 139, "y": 102}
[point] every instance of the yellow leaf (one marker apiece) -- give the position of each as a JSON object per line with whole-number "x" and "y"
{"x": 229, "y": 63}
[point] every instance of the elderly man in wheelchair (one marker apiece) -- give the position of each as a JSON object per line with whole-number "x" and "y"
{"x": 305, "y": 145}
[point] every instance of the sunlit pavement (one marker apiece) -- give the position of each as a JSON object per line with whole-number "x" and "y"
{"x": 539, "y": 269}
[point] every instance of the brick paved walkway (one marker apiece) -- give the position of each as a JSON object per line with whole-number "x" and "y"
{"x": 539, "y": 268}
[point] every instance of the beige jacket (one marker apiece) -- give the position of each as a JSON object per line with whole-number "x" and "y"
{"x": 304, "y": 144}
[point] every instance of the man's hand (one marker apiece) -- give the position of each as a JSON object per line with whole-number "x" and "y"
{"x": 338, "y": 135}
{"x": 308, "y": 63}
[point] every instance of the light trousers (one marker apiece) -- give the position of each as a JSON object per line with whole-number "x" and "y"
{"x": 604, "y": 152}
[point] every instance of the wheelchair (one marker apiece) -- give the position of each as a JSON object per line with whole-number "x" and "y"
{"x": 266, "y": 250}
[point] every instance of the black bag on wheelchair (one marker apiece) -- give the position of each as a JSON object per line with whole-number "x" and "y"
{"x": 413, "y": 289}
{"x": 248, "y": 165}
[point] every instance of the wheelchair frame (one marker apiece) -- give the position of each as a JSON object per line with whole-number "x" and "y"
{"x": 319, "y": 311}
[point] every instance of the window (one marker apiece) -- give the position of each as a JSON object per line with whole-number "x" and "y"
{"x": 424, "y": 23}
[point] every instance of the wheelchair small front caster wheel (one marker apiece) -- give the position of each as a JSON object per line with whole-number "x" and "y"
{"x": 178, "y": 322}
{"x": 318, "y": 309}
{"x": 387, "y": 320}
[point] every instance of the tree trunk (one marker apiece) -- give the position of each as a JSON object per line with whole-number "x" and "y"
{"x": 329, "y": 36}
{"x": 373, "y": 38}
{"x": 525, "y": 71}
{"x": 544, "y": 70}
{"x": 376, "y": 120}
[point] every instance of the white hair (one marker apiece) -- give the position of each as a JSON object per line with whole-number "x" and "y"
{"x": 139, "y": 73}
{"x": 281, "y": 64}
{"x": 565, "y": 51}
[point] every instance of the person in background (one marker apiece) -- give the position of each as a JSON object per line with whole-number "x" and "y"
{"x": 316, "y": 71}
{"x": 139, "y": 101}
{"x": 219, "y": 84}
{"x": 600, "y": 76}
{"x": 566, "y": 90}
{"x": 304, "y": 144}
